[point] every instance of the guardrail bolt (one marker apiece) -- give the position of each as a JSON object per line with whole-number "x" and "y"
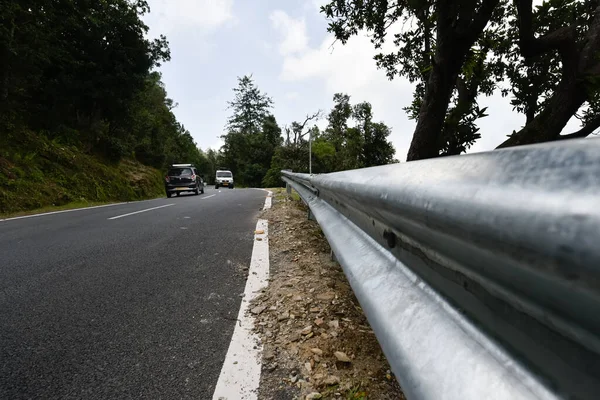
{"x": 390, "y": 237}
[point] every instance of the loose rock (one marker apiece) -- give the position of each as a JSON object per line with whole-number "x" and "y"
{"x": 310, "y": 314}
{"x": 308, "y": 367}
{"x": 257, "y": 310}
{"x": 317, "y": 351}
{"x": 341, "y": 356}
{"x": 332, "y": 380}
{"x": 283, "y": 316}
{"x": 294, "y": 337}
{"x": 326, "y": 296}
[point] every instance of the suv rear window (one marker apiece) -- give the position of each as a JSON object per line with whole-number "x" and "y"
{"x": 180, "y": 171}
{"x": 223, "y": 174}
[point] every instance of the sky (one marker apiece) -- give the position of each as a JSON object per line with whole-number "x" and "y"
{"x": 284, "y": 44}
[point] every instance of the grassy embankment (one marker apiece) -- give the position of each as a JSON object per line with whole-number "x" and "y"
{"x": 37, "y": 174}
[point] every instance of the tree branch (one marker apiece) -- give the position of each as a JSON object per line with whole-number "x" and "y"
{"x": 589, "y": 54}
{"x": 562, "y": 39}
{"x": 481, "y": 18}
{"x": 427, "y": 55}
{"x": 587, "y": 130}
{"x": 315, "y": 116}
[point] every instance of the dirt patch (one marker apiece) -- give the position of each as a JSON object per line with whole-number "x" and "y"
{"x": 317, "y": 341}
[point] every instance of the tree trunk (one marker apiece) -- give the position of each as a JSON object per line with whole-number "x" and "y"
{"x": 425, "y": 141}
{"x": 458, "y": 27}
{"x": 577, "y": 67}
{"x": 550, "y": 122}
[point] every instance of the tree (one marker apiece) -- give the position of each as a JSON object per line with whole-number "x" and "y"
{"x": 456, "y": 50}
{"x": 564, "y": 59}
{"x": 339, "y": 147}
{"x": 250, "y": 107}
{"x": 253, "y": 134}
{"x": 80, "y": 73}
{"x": 293, "y": 152}
{"x": 362, "y": 145}
{"x": 338, "y": 120}
{"x": 375, "y": 148}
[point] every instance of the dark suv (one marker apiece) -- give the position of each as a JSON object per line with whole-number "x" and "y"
{"x": 183, "y": 178}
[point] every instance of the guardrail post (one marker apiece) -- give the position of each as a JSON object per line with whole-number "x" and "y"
{"x": 288, "y": 187}
{"x": 311, "y": 217}
{"x": 333, "y": 257}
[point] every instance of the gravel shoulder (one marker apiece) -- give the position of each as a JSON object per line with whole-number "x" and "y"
{"x": 317, "y": 341}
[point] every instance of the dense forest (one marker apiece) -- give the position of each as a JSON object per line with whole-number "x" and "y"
{"x": 81, "y": 73}
{"x": 84, "y": 116}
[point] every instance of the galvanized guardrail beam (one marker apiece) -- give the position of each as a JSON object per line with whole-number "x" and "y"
{"x": 479, "y": 274}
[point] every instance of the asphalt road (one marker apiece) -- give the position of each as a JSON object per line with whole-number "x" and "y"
{"x": 141, "y": 306}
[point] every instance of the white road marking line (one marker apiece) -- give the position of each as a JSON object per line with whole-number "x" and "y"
{"x": 76, "y": 209}
{"x": 208, "y": 197}
{"x": 141, "y": 211}
{"x": 268, "y": 201}
{"x": 61, "y": 211}
{"x": 240, "y": 375}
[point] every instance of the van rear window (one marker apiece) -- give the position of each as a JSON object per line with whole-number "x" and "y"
{"x": 180, "y": 171}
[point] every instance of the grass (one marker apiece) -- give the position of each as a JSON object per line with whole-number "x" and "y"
{"x": 280, "y": 194}
{"x": 37, "y": 174}
{"x": 356, "y": 393}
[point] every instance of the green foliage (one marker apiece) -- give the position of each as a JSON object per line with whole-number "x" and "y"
{"x": 253, "y": 135}
{"x": 52, "y": 174}
{"x": 79, "y": 75}
{"x": 339, "y": 147}
{"x": 250, "y": 107}
{"x": 456, "y": 51}
{"x": 363, "y": 145}
{"x": 534, "y": 80}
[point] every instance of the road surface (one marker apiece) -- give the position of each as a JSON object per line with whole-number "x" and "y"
{"x": 112, "y": 302}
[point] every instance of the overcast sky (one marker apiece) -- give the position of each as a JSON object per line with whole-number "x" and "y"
{"x": 285, "y": 45}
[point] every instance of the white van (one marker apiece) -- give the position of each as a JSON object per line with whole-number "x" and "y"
{"x": 224, "y": 178}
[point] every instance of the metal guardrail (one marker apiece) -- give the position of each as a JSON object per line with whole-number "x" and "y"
{"x": 479, "y": 274}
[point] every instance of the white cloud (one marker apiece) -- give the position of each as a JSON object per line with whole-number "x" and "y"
{"x": 315, "y": 4}
{"x": 174, "y": 16}
{"x": 293, "y": 31}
